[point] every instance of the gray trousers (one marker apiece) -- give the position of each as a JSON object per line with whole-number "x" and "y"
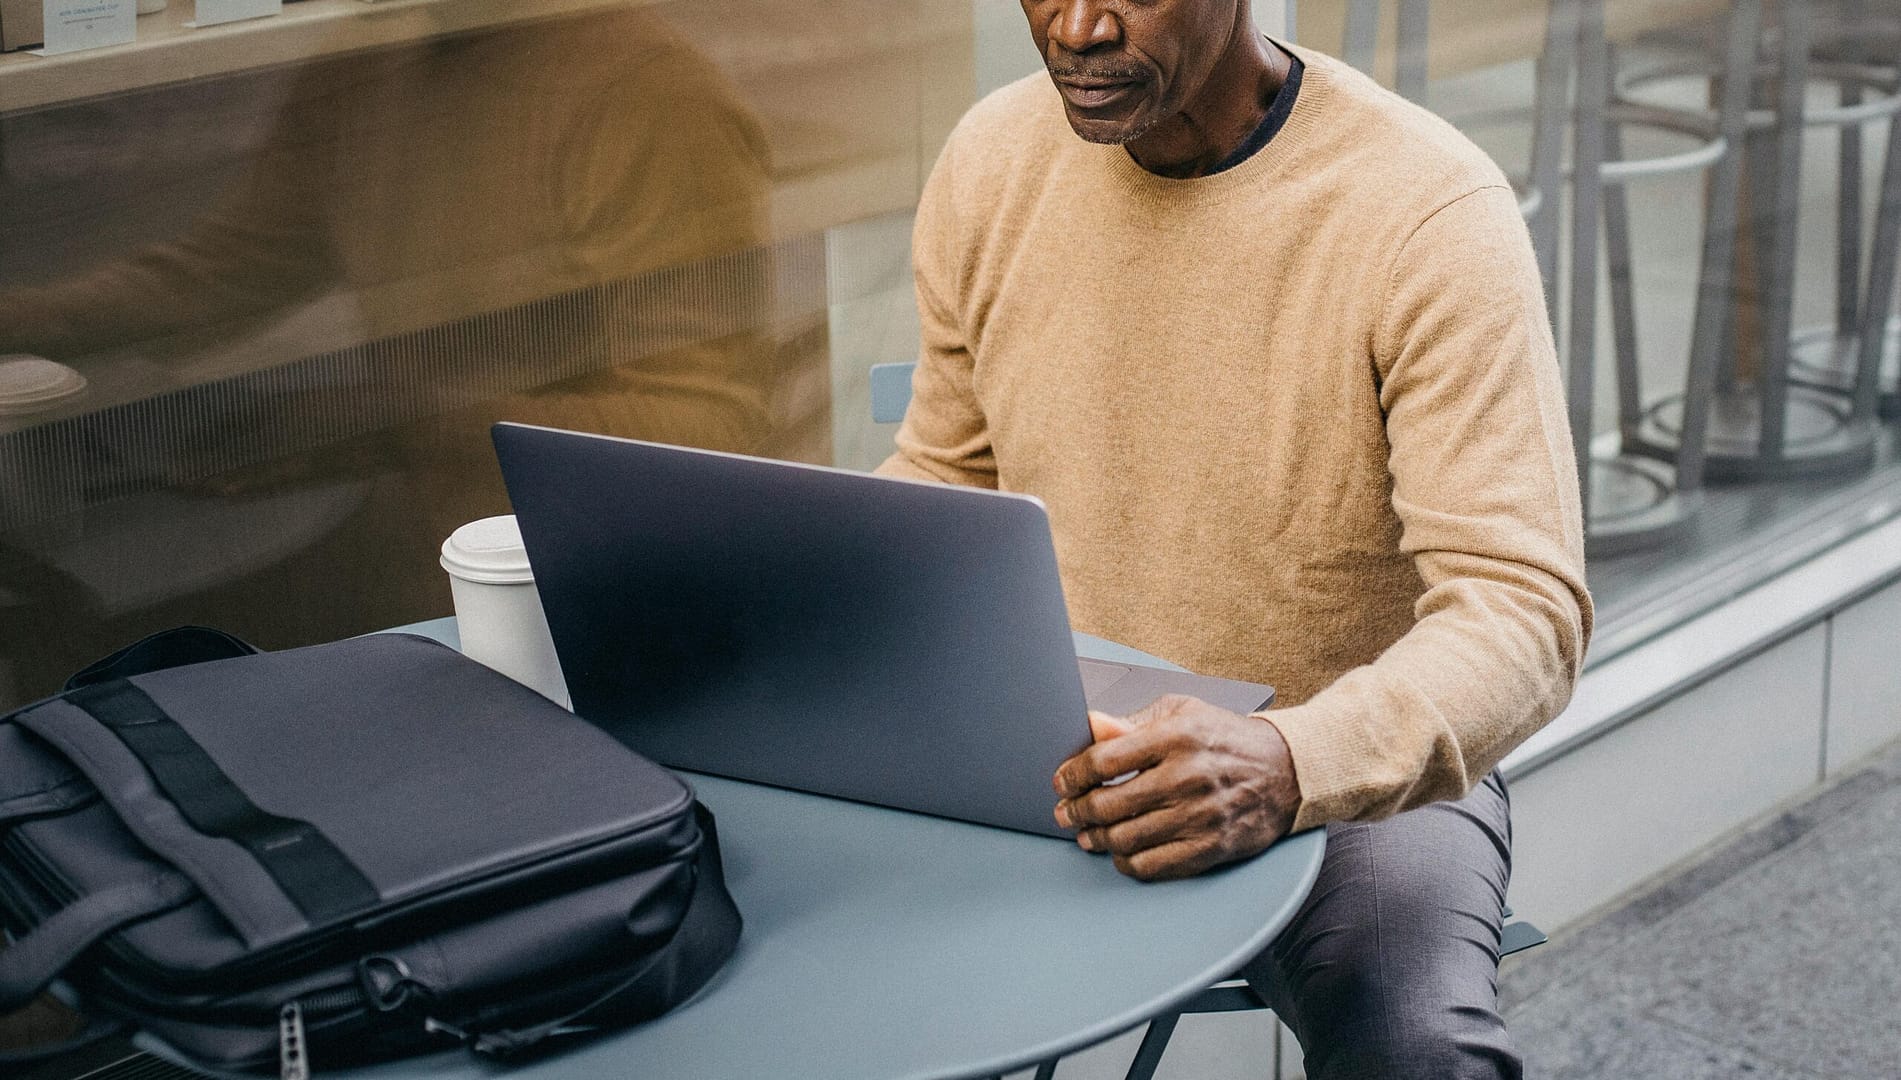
{"x": 1390, "y": 969}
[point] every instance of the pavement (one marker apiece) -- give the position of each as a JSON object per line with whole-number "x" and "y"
{"x": 1777, "y": 954}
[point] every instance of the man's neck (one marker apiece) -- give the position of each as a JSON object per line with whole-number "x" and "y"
{"x": 1231, "y": 103}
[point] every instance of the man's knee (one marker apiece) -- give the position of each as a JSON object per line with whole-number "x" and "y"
{"x": 1390, "y": 969}
{"x": 1424, "y": 1008}
{"x": 1453, "y": 1044}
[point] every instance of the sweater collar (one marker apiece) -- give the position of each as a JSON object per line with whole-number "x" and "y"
{"x": 1281, "y": 152}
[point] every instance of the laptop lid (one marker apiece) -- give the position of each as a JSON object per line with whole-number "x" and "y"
{"x": 894, "y": 642}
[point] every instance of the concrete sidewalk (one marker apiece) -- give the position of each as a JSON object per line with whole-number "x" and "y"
{"x": 1776, "y": 955}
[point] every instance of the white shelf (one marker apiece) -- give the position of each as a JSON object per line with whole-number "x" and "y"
{"x": 168, "y": 51}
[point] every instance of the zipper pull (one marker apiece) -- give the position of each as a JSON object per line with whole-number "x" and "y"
{"x": 291, "y": 1062}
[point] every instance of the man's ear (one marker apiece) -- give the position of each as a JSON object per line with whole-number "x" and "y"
{"x": 1105, "y": 727}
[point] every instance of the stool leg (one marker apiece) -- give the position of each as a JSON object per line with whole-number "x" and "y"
{"x": 1630, "y": 404}
{"x": 1148, "y": 1056}
{"x": 1720, "y": 225}
{"x": 1879, "y": 302}
{"x": 1778, "y": 326}
{"x": 1047, "y": 1070}
{"x": 1587, "y": 157}
{"x": 1361, "y": 46}
{"x": 1415, "y": 16}
{"x": 1848, "y": 207}
{"x": 1552, "y": 84}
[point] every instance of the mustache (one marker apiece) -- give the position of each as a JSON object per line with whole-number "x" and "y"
{"x": 1093, "y": 71}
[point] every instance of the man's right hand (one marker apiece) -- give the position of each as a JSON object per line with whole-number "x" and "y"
{"x": 1211, "y": 787}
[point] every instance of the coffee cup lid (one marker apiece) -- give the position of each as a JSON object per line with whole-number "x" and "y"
{"x": 488, "y": 551}
{"x": 31, "y": 383}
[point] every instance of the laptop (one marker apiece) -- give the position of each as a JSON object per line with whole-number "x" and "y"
{"x": 889, "y": 641}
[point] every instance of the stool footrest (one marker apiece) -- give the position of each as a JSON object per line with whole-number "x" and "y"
{"x": 1519, "y": 936}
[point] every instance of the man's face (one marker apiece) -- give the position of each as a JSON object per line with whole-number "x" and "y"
{"x": 1124, "y": 65}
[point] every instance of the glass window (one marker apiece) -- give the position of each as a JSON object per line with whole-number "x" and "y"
{"x": 263, "y": 287}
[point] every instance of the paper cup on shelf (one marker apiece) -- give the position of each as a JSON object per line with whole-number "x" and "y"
{"x": 497, "y": 610}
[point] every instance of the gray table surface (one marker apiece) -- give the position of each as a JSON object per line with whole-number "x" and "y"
{"x": 886, "y": 945}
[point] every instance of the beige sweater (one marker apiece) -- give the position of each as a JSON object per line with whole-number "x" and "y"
{"x": 1297, "y": 422}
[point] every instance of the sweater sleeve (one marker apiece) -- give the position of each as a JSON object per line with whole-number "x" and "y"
{"x": 944, "y": 436}
{"x": 1486, "y": 491}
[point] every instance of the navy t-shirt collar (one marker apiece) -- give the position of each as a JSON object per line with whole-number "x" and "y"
{"x": 1277, "y": 113}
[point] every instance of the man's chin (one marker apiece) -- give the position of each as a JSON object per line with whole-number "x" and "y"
{"x": 1106, "y": 132}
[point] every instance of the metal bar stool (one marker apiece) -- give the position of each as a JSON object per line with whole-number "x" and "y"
{"x": 1779, "y": 421}
{"x": 1866, "y": 51}
{"x": 1644, "y": 495}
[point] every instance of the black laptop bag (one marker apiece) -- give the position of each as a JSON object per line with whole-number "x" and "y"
{"x": 339, "y": 854}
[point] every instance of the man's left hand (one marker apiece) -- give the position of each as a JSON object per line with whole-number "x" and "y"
{"x": 1210, "y": 787}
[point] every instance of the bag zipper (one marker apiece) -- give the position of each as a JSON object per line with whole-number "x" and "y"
{"x": 292, "y": 1064}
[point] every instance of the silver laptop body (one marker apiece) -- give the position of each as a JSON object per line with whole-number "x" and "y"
{"x": 893, "y": 642}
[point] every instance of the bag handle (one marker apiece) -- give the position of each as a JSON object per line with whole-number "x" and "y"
{"x": 36, "y": 958}
{"x": 165, "y": 649}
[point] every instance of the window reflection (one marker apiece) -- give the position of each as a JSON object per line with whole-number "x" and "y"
{"x": 301, "y": 296}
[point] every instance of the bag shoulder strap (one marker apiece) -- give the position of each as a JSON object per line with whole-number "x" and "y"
{"x": 315, "y": 875}
{"x": 38, "y": 957}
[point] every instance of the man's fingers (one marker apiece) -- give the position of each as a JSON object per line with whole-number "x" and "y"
{"x": 1137, "y": 748}
{"x": 1105, "y": 727}
{"x": 1139, "y": 832}
{"x": 1171, "y": 861}
{"x": 1148, "y": 791}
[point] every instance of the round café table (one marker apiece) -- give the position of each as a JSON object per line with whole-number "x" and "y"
{"x": 887, "y": 945}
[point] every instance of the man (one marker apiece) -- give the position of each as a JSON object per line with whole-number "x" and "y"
{"x": 1270, "y": 344}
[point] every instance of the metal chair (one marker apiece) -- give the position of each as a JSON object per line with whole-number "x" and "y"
{"x": 1235, "y": 995}
{"x": 1768, "y": 417}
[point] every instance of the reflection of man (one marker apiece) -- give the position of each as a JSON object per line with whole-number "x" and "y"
{"x": 1270, "y": 344}
{"x": 558, "y": 222}
{"x": 454, "y": 179}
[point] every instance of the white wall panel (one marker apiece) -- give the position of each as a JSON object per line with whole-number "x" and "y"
{"x": 1617, "y": 811}
{"x": 1864, "y": 699}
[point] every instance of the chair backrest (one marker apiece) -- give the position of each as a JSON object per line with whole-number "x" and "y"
{"x": 890, "y": 391}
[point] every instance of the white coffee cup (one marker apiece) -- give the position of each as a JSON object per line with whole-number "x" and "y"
{"x": 497, "y": 610}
